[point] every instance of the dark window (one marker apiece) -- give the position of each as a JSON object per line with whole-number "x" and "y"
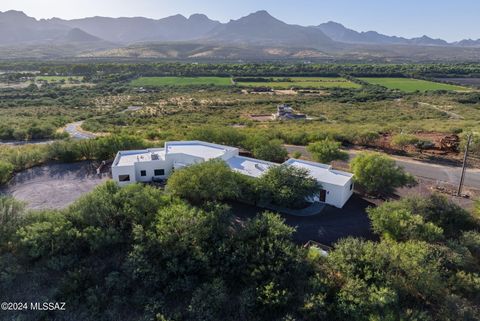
{"x": 124, "y": 178}
{"x": 323, "y": 195}
{"x": 351, "y": 186}
{"x": 143, "y": 173}
{"x": 159, "y": 172}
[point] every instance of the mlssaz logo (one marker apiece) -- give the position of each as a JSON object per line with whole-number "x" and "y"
{"x": 47, "y": 306}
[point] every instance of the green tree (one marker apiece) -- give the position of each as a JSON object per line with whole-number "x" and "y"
{"x": 326, "y": 151}
{"x": 11, "y": 215}
{"x": 401, "y": 225}
{"x": 272, "y": 151}
{"x": 378, "y": 174}
{"x": 286, "y": 186}
{"x": 6, "y": 171}
{"x": 208, "y": 181}
{"x": 435, "y": 209}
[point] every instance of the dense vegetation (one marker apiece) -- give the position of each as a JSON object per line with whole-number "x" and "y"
{"x": 142, "y": 253}
{"x": 136, "y": 253}
{"x": 378, "y": 174}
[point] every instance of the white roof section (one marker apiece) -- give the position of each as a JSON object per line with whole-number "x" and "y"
{"x": 128, "y": 158}
{"x": 249, "y": 166}
{"x": 197, "y": 148}
{"x": 321, "y": 172}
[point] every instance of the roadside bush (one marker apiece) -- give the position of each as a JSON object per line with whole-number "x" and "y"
{"x": 6, "y": 171}
{"x": 403, "y": 140}
{"x": 379, "y": 174}
{"x": 297, "y": 154}
{"x": 326, "y": 151}
{"x": 286, "y": 186}
{"x": 64, "y": 151}
{"x": 366, "y": 138}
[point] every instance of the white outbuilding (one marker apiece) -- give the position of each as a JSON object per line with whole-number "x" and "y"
{"x": 157, "y": 164}
{"x": 337, "y": 186}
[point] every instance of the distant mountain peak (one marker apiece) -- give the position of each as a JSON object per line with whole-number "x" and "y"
{"x": 198, "y": 16}
{"x": 14, "y": 13}
{"x": 78, "y": 35}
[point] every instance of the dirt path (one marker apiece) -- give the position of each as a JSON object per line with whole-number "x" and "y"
{"x": 449, "y": 113}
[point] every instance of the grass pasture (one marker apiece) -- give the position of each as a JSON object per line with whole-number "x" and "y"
{"x": 180, "y": 81}
{"x": 412, "y": 85}
{"x": 302, "y": 82}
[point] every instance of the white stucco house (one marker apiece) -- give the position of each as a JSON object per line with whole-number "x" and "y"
{"x": 159, "y": 163}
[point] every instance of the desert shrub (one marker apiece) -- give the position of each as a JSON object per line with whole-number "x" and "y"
{"x": 379, "y": 174}
{"x": 326, "y": 151}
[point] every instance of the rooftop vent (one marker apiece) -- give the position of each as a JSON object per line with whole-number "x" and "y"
{"x": 154, "y": 156}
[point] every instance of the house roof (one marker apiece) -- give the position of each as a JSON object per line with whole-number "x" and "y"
{"x": 197, "y": 148}
{"x": 126, "y": 158}
{"x": 321, "y": 172}
{"x": 249, "y": 166}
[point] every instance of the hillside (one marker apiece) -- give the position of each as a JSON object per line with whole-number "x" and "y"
{"x": 255, "y": 36}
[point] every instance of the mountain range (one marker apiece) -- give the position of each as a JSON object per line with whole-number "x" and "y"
{"x": 258, "y": 32}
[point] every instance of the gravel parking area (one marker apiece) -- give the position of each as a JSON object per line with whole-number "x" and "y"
{"x": 54, "y": 186}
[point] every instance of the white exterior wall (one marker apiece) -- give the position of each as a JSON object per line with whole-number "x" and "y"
{"x": 124, "y": 170}
{"x": 150, "y": 167}
{"x": 336, "y": 195}
{"x": 347, "y": 192}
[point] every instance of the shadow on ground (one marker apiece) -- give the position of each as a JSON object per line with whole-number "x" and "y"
{"x": 331, "y": 225}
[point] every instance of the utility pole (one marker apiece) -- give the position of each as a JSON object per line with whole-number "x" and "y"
{"x": 465, "y": 157}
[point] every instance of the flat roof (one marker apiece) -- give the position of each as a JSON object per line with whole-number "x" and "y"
{"x": 197, "y": 148}
{"x": 321, "y": 172}
{"x": 127, "y": 158}
{"x": 249, "y": 166}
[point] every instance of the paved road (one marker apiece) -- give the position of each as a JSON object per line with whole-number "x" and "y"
{"x": 74, "y": 131}
{"x": 443, "y": 173}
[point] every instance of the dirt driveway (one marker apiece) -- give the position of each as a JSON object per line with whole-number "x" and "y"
{"x": 54, "y": 186}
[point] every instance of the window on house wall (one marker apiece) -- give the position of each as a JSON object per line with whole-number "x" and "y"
{"x": 159, "y": 172}
{"x": 143, "y": 173}
{"x": 124, "y": 178}
{"x": 351, "y": 186}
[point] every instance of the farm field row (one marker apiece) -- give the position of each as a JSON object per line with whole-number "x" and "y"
{"x": 403, "y": 84}
{"x": 412, "y": 85}
{"x": 302, "y": 82}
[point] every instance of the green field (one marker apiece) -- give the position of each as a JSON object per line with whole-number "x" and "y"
{"x": 302, "y": 82}
{"x": 412, "y": 85}
{"x": 58, "y": 78}
{"x": 180, "y": 81}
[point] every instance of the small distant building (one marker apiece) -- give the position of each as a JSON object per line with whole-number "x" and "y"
{"x": 157, "y": 164}
{"x": 286, "y": 112}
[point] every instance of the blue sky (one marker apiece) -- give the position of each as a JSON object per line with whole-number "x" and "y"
{"x": 447, "y": 19}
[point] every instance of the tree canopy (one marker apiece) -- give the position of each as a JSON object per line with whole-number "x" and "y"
{"x": 379, "y": 174}
{"x": 326, "y": 150}
{"x": 209, "y": 181}
{"x": 286, "y": 186}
